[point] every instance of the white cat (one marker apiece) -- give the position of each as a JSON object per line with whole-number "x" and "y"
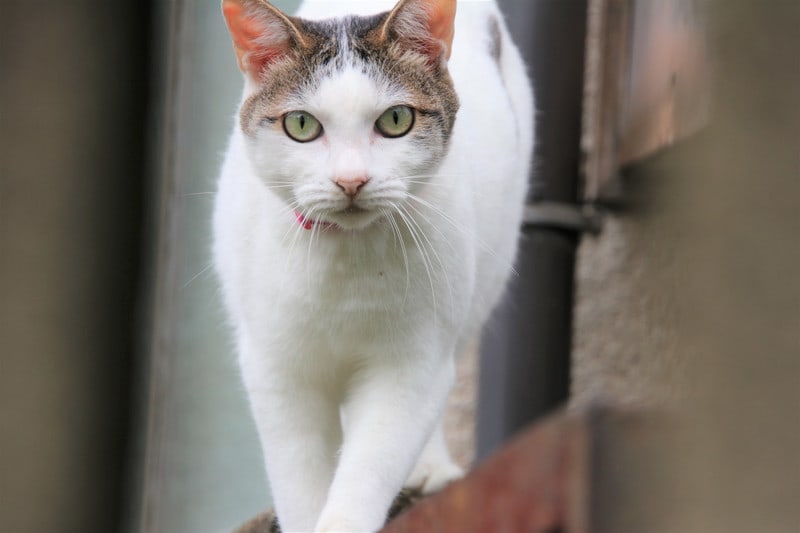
{"x": 365, "y": 225}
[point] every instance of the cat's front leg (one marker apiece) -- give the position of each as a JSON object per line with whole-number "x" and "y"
{"x": 300, "y": 436}
{"x": 300, "y": 432}
{"x": 391, "y": 411}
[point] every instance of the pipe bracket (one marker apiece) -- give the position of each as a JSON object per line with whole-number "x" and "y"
{"x": 563, "y": 216}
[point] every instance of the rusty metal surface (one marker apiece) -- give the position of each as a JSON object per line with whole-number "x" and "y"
{"x": 537, "y": 484}
{"x": 647, "y": 83}
{"x": 574, "y": 472}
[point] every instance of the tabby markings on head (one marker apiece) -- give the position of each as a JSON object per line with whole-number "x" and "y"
{"x": 332, "y": 46}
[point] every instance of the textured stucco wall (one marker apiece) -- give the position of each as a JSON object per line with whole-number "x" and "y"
{"x": 696, "y": 296}
{"x": 624, "y": 324}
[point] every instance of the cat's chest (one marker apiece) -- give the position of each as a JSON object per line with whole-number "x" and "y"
{"x": 335, "y": 306}
{"x": 330, "y": 290}
{"x": 324, "y": 275}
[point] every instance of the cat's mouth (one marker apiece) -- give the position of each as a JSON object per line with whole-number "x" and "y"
{"x": 352, "y": 217}
{"x": 353, "y": 210}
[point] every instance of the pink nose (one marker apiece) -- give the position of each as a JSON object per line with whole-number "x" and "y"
{"x": 351, "y": 185}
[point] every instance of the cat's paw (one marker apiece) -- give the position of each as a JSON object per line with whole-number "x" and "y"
{"x": 429, "y": 478}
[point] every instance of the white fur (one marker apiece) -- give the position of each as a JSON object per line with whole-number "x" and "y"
{"x": 369, "y": 320}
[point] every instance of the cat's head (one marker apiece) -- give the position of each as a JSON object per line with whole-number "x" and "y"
{"x": 345, "y": 118}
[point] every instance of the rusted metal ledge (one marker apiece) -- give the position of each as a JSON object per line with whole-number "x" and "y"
{"x": 570, "y": 473}
{"x": 537, "y": 483}
{"x": 600, "y": 471}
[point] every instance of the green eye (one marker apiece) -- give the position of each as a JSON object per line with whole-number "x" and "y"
{"x": 301, "y": 126}
{"x": 395, "y": 121}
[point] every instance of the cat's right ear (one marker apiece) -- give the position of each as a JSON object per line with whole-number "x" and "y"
{"x": 425, "y": 26}
{"x": 261, "y": 33}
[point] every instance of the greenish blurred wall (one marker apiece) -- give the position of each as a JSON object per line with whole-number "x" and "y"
{"x": 200, "y": 462}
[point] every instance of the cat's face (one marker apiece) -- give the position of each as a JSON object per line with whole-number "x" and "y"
{"x": 345, "y": 119}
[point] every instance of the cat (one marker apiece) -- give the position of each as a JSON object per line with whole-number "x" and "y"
{"x": 365, "y": 224}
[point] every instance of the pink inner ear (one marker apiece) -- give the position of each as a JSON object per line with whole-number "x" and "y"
{"x": 426, "y": 26}
{"x": 441, "y": 23}
{"x": 258, "y": 37}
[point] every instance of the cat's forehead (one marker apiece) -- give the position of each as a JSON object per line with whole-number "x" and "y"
{"x": 347, "y": 76}
{"x": 351, "y": 91}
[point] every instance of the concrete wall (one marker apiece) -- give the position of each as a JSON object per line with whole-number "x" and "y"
{"x": 695, "y": 297}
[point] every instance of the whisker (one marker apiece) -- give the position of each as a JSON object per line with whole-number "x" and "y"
{"x": 425, "y": 260}
{"x": 396, "y": 230}
{"x": 298, "y": 230}
{"x": 436, "y": 175}
{"x": 206, "y": 269}
{"x": 433, "y": 251}
{"x": 435, "y": 227}
{"x": 485, "y": 247}
{"x": 315, "y": 229}
{"x": 288, "y": 210}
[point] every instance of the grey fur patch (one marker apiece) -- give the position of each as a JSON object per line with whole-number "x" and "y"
{"x": 496, "y": 40}
{"x": 496, "y": 52}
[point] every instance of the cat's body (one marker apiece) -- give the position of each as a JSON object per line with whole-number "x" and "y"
{"x": 356, "y": 265}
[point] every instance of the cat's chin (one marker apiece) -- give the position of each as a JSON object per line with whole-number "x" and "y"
{"x": 353, "y": 218}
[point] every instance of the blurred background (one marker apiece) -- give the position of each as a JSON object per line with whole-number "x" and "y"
{"x": 120, "y": 403}
{"x": 122, "y": 408}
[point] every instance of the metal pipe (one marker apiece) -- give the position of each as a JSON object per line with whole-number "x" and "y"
{"x": 525, "y": 351}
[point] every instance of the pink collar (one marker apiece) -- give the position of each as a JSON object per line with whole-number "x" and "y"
{"x": 309, "y": 223}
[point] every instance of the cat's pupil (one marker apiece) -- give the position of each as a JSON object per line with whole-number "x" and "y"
{"x": 302, "y": 122}
{"x": 396, "y": 117}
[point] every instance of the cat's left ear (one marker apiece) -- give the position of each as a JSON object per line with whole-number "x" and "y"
{"x": 426, "y": 26}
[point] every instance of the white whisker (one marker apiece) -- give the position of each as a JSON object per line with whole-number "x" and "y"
{"x": 298, "y": 230}
{"x": 289, "y": 210}
{"x": 396, "y": 231}
{"x": 315, "y": 229}
{"x": 435, "y": 227}
{"x": 471, "y": 235}
{"x": 423, "y": 256}
{"x": 433, "y": 251}
{"x": 206, "y": 269}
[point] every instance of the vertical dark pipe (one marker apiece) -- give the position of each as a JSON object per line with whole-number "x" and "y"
{"x": 525, "y": 352}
